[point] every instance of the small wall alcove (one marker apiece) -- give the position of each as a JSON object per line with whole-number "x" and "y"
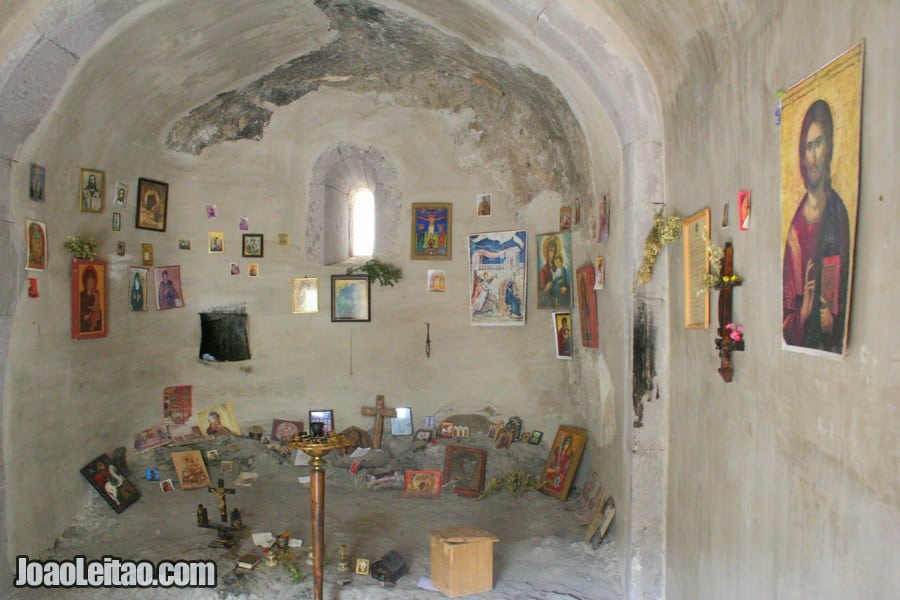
{"x": 223, "y": 336}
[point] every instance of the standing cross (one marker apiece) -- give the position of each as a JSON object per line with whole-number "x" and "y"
{"x": 379, "y": 411}
{"x": 220, "y": 491}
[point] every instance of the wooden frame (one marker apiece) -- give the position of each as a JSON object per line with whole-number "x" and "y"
{"x": 152, "y": 205}
{"x": 696, "y": 264}
{"x": 587, "y": 305}
{"x": 424, "y": 483}
{"x": 191, "y": 470}
{"x": 351, "y": 298}
{"x": 304, "y": 295}
{"x": 89, "y": 302}
{"x": 562, "y": 462}
{"x": 115, "y": 488}
{"x": 599, "y": 525}
{"x": 252, "y": 245}
{"x": 92, "y": 190}
{"x": 431, "y": 237}
{"x": 424, "y": 435}
{"x": 465, "y": 466}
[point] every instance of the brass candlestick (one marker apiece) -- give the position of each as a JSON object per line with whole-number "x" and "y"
{"x": 317, "y": 446}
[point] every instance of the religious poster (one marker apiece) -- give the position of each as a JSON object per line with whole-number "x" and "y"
{"x": 36, "y": 182}
{"x": 304, "y": 295}
{"x": 121, "y": 193}
{"x": 425, "y": 483}
{"x": 36, "y": 243}
{"x": 554, "y": 265}
{"x": 562, "y": 334}
{"x": 114, "y": 487}
{"x": 92, "y": 190}
{"x": 431, "y": 231}
{"x": 587, "y": 306}
{"x": 152, "y": 437}
{"x": 218, "y": 420}
{"x": 483, "y": 205}
{"x": 168, "y": 283}
{"x": 215, "y": 241}
{"x": 497, "y": 278}
{"x": 138, "y": 287}
{"x": 436, "y": 280}
{"x": 603, "y": 218}
{"x": 191, "y": 470}
{"x": 820, "y": 149}
{"x": 284, "y": 431}
{"x": 744, "y": 210}
{"x": 88, "y": 299}
{"x": 177, "y": 406}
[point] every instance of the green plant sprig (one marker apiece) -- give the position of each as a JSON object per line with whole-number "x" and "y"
{"x": 81, "y": 248}
{"x": 384, "y": 273}
{"x": 665, "y": 230}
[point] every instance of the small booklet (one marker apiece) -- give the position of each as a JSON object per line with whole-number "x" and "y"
{"x": 831, "y": 281}
{"x": 248, "y": 561}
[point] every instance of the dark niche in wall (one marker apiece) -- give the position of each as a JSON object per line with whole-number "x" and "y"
{"x": 223, "y": 336}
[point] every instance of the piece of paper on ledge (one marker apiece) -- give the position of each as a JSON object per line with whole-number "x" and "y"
{"x": 264, "y": 539}
{"x": 303, "y": 479}
{"x": 425, "y": 583}
{"x": 246, "y": 478}
{"x": 360, "y": 452}
{"x": 300, "y": 459}
{"x": 295, "y": 543}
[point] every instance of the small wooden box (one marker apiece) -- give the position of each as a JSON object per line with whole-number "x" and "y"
{"x": 462, "y": 561}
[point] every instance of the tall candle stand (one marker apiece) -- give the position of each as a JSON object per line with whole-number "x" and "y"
{"x": 316, "y": 445}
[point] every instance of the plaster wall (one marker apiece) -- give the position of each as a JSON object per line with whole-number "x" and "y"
{"x": 100, "y": 392}
{"x": 783, "y": 484}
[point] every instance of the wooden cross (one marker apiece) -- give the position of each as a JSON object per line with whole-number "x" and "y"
{"x": 220, "y": 491}
{"x": 379, "y": 411}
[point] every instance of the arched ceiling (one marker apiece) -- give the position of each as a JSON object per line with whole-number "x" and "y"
{"x": 195, "y": 50}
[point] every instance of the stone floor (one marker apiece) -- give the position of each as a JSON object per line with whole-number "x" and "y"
{"x": 540, "y": 554}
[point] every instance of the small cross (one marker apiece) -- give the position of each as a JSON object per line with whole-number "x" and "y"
{"x": 220, "y": 491}
{"x": 379, "y": 411}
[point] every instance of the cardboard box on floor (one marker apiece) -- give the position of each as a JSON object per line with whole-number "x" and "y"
{"x": 462, "y": 561}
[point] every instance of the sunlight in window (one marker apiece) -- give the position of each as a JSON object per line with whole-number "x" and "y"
{"x": 362, "y": 222}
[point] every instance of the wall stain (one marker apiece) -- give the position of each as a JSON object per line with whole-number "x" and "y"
{"x": 525, "y": 124}
{"x": 643, "y": 358}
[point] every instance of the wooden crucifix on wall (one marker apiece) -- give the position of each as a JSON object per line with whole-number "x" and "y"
{"x": 724, "y": 344}
{"x": 379, "y": 411}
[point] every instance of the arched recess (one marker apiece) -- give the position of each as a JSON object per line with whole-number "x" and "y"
{"x": 338, "y": 173}
{"x": 43, "y": 44}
